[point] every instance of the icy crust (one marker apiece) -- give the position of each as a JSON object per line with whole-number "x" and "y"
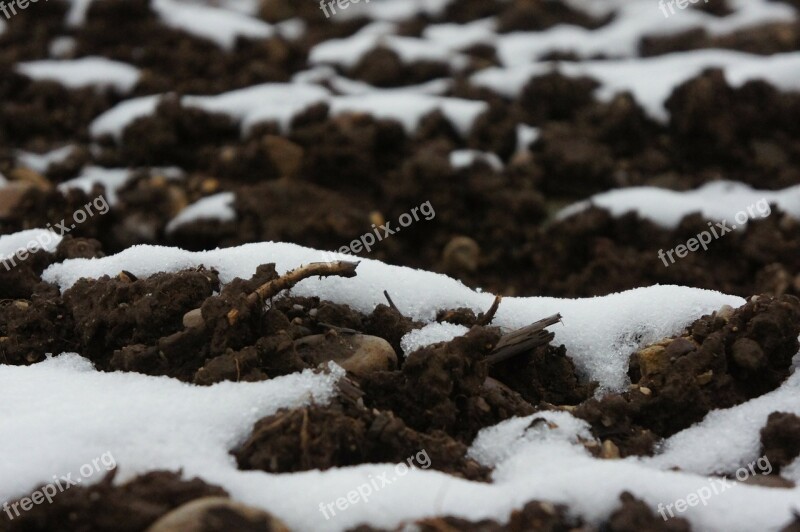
{"x": 536, "y": 457}
{"x": 718, "y": 201}
{"x": 97, "y": 72}
{"x": 651, "y": 80}
{"x": 599, "y": 333}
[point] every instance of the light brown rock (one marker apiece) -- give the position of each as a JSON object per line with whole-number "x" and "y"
{"x": 217, "y": 514}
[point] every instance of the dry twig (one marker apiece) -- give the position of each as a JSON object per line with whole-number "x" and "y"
{"x": 522, "y": 340}
{"x": 487, "y": 318}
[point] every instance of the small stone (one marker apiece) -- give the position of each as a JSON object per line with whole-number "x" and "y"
{"x": 11, "y": 196}
{"x": 285, "y": 155}
{"x": 21, "y": 304}
{"x": 725, "y": 312}
{"x": 28, "y": 176}
{"x": 233, "y": 316}
{"x": 209, "y": 185}
{"x": 680, "y": 347}
{"x": 705, "y": 378}
{"x": 645, "y": 390}
{"x": 652, "y": 359}
{"x": 609, "y": 450}
{"x": 216, "y": 514}
{"x": 748, "y": 354}
{"x": 376, "y": 218}
{"x": 461, "y": 254}
{"x": 193, "y": 319}
{"x": 359, "y": 354}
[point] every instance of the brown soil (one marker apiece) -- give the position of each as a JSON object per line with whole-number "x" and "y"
{"x": 329, "y": 179}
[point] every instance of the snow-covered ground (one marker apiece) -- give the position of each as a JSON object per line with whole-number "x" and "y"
{"x": 67, "y": 413}
{"x": 62, "y": 413}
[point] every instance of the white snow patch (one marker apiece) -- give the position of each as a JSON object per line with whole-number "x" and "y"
{"x": 62, "y": 47}
{"x": 116, "y": 119}
{"x": 651, "y": 80}
{"x": 347, "y": 52}
{"x": 716, "y": 201}
{"x": 278, "y": 102}
{"x": 466, "y": 158}
{"x": 526, "y": 135}
{"x": 112, "y": 179}
{"x": 430, "y": 334}
{"x": 727, "y": 439}
{"x": 41, "y": 162}
{"x": 29, "y": 239}
{"x": 410, "y": 108}
{"x": 97, "y": 72}
{"x": 390, "y": 10}
{"x": 215, "y": 207}
{"x": 134, "y": 417}
{"x": 220, "y": 26}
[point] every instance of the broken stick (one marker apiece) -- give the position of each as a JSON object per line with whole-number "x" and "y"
{"x": 523, "y": 339}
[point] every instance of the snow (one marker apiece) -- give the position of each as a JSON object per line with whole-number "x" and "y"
{"x": 651, "y": 80}
{"x": 220, "y": 26}
{"x": 599, "y": 333}
{"x": 347, "y": 52}
{"x": 430, "y": 334}
{"x": 113, "y": 179}
{"x": 216, "y": 207}
{"x": 41, "y": 162}
{"x": 634, "y": 19}
{"x": 279, "y": 102}
{"x": 526, "y": 135}
{"x": 134, "y": 417}
{"x": 410, "y": 108}
{"x": 62, "y": 47}
{"x": 97, "y": 72}
{"x": 727, "y": 439}
{"x": 116, "y": 119}
{"x": 716, "y": 201}
{"x": 44, "y": 239}
{"x": 390, "y": 10}
{"x": 123, "y": 414}
{"x": 456, "y": 37}
{"x": 466, "y": 158}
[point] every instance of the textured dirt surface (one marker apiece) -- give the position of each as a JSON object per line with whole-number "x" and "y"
{"x": 328, "y": 179}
